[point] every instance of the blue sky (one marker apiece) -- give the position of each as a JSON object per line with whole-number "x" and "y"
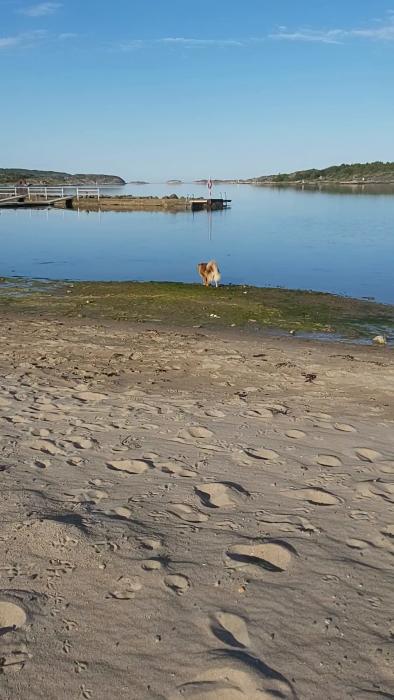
{"x": 160, "y": 89}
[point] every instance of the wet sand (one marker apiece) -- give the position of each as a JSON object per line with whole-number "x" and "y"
{"x": 193, "y": 514}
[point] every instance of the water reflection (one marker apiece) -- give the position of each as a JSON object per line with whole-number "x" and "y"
{"x": 327, "y": 188}
{"x": 324, "y": 239}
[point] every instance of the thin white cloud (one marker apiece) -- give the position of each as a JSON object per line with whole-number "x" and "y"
{"x": 25, "y": 40}
{"x": 201, "y": 43}
{"x": 7, "y": 41}
{"x": 333, "y": 36}
{"x": 186, "y": 43}
{"x": 67, "y": 35}
{"x": 377, "y": 33}
{"x": 381, "y": 30}
{"x": 37, "y": 38}
{"x": 42, "y": 9}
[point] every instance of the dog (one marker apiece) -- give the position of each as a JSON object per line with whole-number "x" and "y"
{"x": 209, "y": 272}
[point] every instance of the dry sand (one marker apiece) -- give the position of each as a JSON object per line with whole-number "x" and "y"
{"x": 184, "y": 516}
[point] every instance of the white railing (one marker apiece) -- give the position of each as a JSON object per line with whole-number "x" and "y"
{"x": 52, "y": 192}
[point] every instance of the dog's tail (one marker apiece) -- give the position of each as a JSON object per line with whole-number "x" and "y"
{"x": 214, "y": 271}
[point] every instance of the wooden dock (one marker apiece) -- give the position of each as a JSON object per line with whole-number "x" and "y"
{"x": 25, "y": 196}
{"x": 23, "y": 203}
{"x": 13, "y": 198}
{"x": 96, "y": 199}
{"x": 209, "y": 204}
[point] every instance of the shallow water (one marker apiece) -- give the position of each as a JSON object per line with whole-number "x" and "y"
{"x": 326, "y": 241}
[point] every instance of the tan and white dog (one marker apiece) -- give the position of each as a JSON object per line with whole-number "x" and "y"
{"x": 209, "y": 272}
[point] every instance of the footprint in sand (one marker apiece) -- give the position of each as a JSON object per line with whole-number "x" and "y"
{"x": 75, "y": 461}
{"x": 13, "y": 657}
{"x": 151, "y": 564}
{"x": 318, "y": 497}
{"x": 262, "y": 453}
{"x": 344, "y": 428}
{"x": 123, "y": 513}
{"x": 130, "y": 466}
{"x": 258, "y": 413}
{"x": 385, "y": 489}
{"x": 387, "y": 467}
{"x": 273, "y": 556}
{"x": 231, "y": 682}
{"x": 187, "y": 513}
{"x": 196, "y": 433}
{"x": 354, "y": 543}
{"x": 80, "y": 443}
{"x": 16, "y": 420}
{"x": 295, "y": 434}
{"x": 42, "y": 463}
{"x": 70, "y": 625}
{"x": 359, "y": 515}
{"x": 67, "y": 646}
{"x": 89, "y": 496}
{"x": 230, "y": 629}
{"x": 365, "y": 489}
{"x": 127, "y": 587}
{"x": 41, "y": 432}
{"x": 93, "y": 427}
{"x": 177, "y": 583}
{"x": 214, "y": 413}
{"x": 46, "y": 408}
{"x": 388, "y": 531}
{"x": 11, "y": 617}
{"x": 367, "y": 455}
{"x": 221, "y": 495}
{"x": 48, "y": 417}
{"x": 175, "y": 469}
{"x": 80, "y": 666}
{"x": 87, "y": 396}
{"x": 328, "y": 461}
{"x": 45, "y": 446}
{"x": 320, "y": 416}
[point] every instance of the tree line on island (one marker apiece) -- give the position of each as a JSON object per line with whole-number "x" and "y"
{"x": 12, "y": 176}
{"x": 347, "y": 172}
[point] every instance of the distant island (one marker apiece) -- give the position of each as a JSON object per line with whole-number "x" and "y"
{"x": 218, "y": 181}
{"x": 10, "y": 176}
{"x": 353, "y": 173}
{"x": 345, "y": 174}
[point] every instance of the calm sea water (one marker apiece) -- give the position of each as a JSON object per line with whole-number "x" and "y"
{"x": 334, "y": 242}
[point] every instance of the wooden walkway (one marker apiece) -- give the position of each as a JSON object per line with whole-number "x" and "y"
{"x": 24, "y": 196}
{"x": 22, "y": 203}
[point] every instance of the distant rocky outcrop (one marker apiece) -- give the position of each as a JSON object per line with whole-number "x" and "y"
{"x": 52, "y": 177}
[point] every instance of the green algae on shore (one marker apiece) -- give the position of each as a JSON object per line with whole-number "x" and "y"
{"x": 180, "y": 304}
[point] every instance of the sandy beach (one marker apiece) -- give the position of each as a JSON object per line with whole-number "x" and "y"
{"x": 193, "y": 514}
